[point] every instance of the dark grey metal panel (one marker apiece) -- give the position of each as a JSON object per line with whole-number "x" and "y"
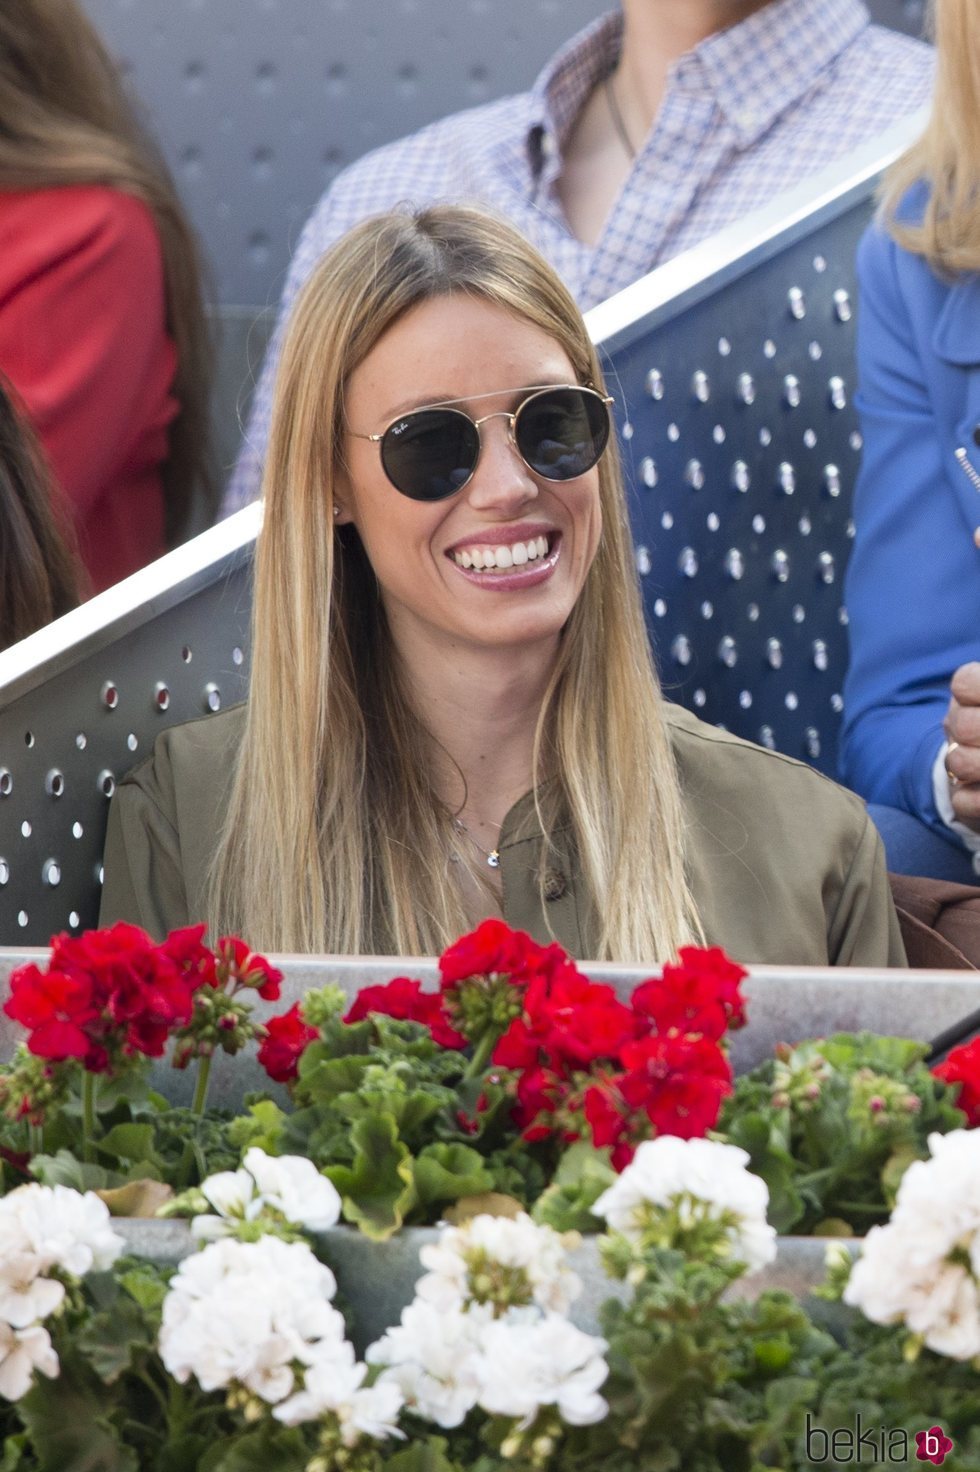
{"x": 901, "y": 15}
{"x": 259, "y": 103}
{"x": 742, "y": 456}
{"x": 70, "y": 727}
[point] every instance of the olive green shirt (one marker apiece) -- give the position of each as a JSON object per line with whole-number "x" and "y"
{"x": 784, "y": 865}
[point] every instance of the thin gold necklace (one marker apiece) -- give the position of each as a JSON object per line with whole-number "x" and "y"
{"x": 617, "y": 118}
{"x": 492, "y": 855}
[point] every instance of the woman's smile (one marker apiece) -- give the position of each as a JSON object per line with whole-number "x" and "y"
{"x": 508, "y": 532}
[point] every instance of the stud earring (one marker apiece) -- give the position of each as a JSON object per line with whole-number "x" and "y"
{"x": 336, "y": 511}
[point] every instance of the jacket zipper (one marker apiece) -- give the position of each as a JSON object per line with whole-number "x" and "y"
{"x": 967, "y": 468}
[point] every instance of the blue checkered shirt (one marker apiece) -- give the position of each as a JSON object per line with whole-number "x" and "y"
{"x": 747, "y": 113}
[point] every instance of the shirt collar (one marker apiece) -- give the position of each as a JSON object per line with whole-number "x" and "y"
{"x": 765, "y": 64}
{"x": 756, "y": 69}
{"x": 562, "y": 87}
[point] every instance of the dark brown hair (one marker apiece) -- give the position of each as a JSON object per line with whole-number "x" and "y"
{"x": 39, "y": 576}
{"x": 66, "y": 119}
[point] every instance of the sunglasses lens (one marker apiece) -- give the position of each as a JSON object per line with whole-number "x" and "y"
{"x": 561, "y": 433}
{"x": 430, "y": 454}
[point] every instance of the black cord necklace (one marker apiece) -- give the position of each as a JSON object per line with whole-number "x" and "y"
{"x": 617, "y": 118}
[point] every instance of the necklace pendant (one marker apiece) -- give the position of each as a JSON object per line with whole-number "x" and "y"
{"x": 493, "y": 859}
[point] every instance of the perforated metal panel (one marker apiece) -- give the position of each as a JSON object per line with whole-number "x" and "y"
{"x": 109, "y": 677}
{"x": 743, "y": 449}
{"x": 260, "y": 103}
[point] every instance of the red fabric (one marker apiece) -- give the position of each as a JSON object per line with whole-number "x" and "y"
{"x": 83, "y": 339}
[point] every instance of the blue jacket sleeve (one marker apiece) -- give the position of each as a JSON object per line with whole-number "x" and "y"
{"x": 909, "y": 584}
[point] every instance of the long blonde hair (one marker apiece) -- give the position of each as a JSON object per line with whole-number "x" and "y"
{"x": 65, "y": 119}
{"x": 335, "y": 838}
{"x": 946, "y": 159}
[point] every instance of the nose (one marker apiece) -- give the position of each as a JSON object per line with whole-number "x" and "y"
{"x": 501, "y": 479}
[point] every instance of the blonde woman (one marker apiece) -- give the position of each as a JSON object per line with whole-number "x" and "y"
{"x": 453, "y": 711}
{"x": 102, "y": 327}
{"x": 912, "y": 696}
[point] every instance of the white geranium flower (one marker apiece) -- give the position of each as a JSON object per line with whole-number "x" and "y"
{"x": 244, "y": 1312}
{"x": 233, "y": 1195}
{"x": 698, "y": 1177}
{"x": 525, "y": 1366}
{"x": 433, "y": 1357}
{"x": 66, "y": 1229}
{"x": 923, "y": 1268}
{"x": 287, "y": 1184}
{"x": 498, "y": 1260}
{"x": 22, "y": 1351}
{"x": 25, "y": 1296}
{"x": 333, "y": 1386}
{"x": 293, "y": 1186}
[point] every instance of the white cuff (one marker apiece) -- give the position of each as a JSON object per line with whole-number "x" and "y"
{"x": 944, "y": 806}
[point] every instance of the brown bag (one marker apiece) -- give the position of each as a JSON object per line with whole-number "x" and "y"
{"x": 940, "y": 922}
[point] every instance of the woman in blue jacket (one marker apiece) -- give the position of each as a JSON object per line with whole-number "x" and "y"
{"x": 911, "y": 740}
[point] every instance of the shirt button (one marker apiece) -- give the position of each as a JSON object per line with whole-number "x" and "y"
{"x": 548, "y": 146}
{"x": 555, "y": 884}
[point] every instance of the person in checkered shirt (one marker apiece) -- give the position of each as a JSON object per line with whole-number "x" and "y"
{"x": 651, "y": 129}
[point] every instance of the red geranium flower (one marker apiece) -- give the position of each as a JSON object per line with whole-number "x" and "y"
{"x": 286, "y": 1039}
{"x": 245, "y": 968}
{"x": 189, "y": 954}
{"x": 541, "y": 1095}
{"x": 493, "y": 949}
{"x": 568, "y": 1021}
{"x": 678, "y": 1082}
{"x": 55, "y": 1008}
{"x": 106, "y": 995}
{"x": 963, "y": 1067}
{"x": 699, "y": 995}
{"x": 405, "y": 999}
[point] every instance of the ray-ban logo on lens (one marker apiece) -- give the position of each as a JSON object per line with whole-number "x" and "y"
{"x": 870, "y": 1444}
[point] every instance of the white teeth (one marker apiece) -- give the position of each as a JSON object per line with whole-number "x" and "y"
{"x": 503, "y": 557}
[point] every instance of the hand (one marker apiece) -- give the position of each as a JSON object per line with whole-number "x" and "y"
{"x": 962, "y": 726}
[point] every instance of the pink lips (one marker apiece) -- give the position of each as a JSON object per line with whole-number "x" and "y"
{"x": 514, "y": 577}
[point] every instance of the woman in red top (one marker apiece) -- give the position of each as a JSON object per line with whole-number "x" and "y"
{"x": 102, "y": 328}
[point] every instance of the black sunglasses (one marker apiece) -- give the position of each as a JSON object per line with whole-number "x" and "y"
{"x": 559, "y": 431}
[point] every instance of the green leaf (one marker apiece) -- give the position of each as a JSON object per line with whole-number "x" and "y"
{"x": 422, "y": 1457}
{"x": 64, "y": 1169}
{"x": 15, "y": 1452}
{"x": 410, "y": 1110}
{"x": 112, "y": 1341}
{"x": 443, "y": 1173}
{"x": 377, "y": 1189}
{"x": 261, "y": 1126}
{"x": 268, "y": 1449}
{"x": 67, "y": 1420}
{"x": 146, "y": 1285}
{"x": 583, "y": 1174}
{"x": 128, "y": 1142}
{"x": 321, "y": 1079}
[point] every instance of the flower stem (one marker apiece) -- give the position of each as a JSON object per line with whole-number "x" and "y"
{"x": 201, "y": 1088}
{"x": 481, "y": 1055}
{"x": 88, "y": 1116}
